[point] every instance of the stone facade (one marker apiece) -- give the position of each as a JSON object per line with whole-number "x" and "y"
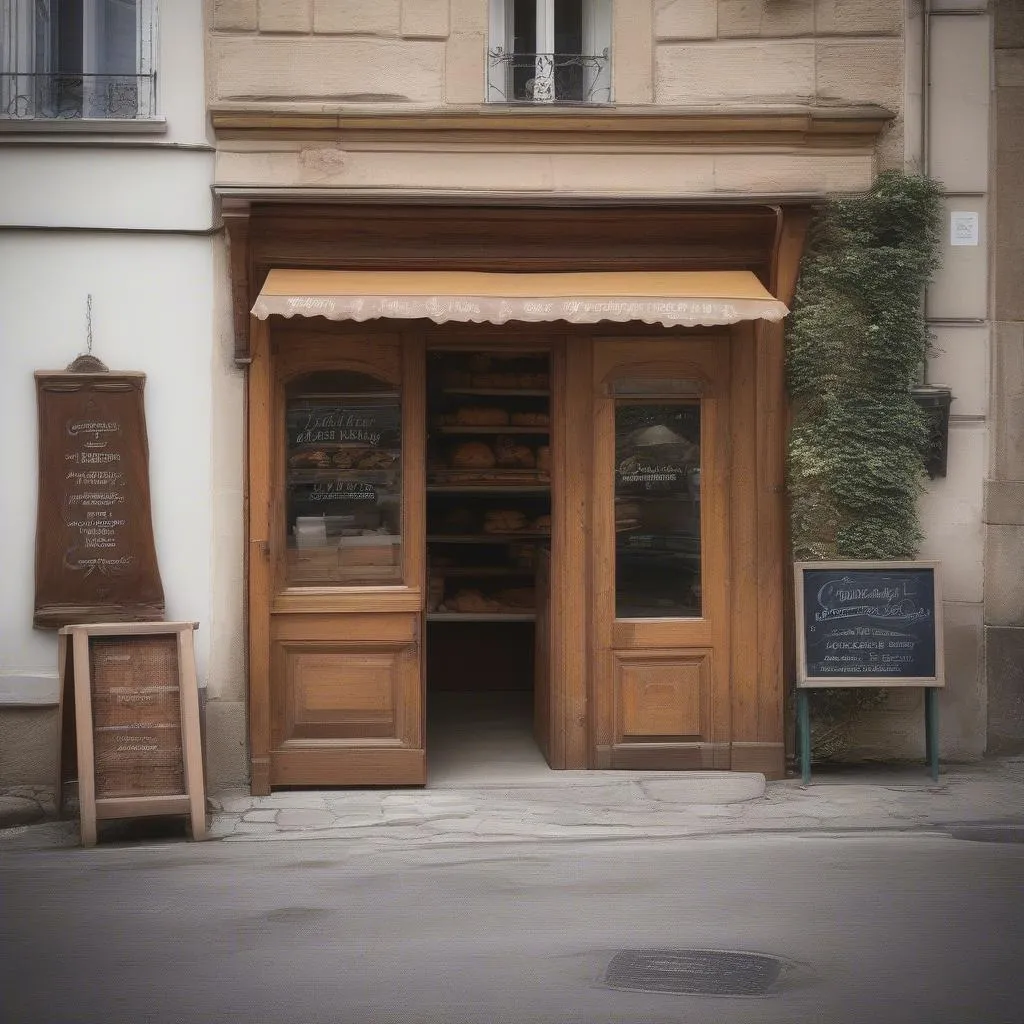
{"x": 307, "y": 55}
{"x": 1004, "y": 496}
{"x": 309, "y": 59}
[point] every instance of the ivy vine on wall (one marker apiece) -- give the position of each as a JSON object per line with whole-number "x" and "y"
{"x": 857, "y": 339}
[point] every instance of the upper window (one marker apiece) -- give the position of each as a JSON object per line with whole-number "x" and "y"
{"x": 65, "y": 59}
{"x": 549, "y": 51}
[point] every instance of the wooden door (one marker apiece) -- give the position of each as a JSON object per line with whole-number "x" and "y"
{"x": 336, "y": 561}
{"x": 661, "y": 553}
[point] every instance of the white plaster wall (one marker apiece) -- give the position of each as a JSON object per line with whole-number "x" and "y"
{"x": 152, "y": 311}
{"x": 154, "y": 181}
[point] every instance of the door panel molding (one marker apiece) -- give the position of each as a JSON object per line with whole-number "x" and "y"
{"x": 663, "y": 697}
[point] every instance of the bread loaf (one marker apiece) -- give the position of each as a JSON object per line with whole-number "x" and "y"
{"x": 530, "y": 419}
{"x": 375, "y": 460}
{"x": 523, "y": 598}
{"x": 542, "y": 524}
{"x": 472, "y": 601}
{"x": 317, "y": 459}
{"x": 504, "y": 520}
{"x": 481, "y": 416}
{"x": 472, "y": 455}
{"x": 544, "y": 458}
{"x": 512, "y": 455}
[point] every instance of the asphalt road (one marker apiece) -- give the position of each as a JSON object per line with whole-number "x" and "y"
{"x": 875, "y": 928}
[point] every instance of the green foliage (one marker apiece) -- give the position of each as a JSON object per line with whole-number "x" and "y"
{"x": 857, "y": 339}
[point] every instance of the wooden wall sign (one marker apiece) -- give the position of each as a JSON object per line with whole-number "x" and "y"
{"x": 95, "y": 553}
{"x": 130, "y": 720}
{"x": 869, "y": 624}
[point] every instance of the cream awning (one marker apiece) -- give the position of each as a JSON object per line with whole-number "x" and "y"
{"x": 673, "y": 299}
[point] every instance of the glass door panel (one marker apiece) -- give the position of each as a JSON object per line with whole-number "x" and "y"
{"x": 657, "y": 509}
{"x": 344, "y": 481}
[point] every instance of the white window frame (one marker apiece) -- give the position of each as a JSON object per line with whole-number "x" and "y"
{"x": 20, "y": 61}
{"x": 597, "y": 36}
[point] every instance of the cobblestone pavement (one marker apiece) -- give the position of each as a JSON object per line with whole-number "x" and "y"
{"x": 587, "y": 805}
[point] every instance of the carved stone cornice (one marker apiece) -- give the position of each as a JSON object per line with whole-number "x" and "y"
{"x": 592, "y": 128}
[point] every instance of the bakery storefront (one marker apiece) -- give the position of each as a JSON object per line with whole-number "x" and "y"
{"x": 513, "y": 467}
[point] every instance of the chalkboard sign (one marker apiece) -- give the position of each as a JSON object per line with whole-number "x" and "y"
{"x": 869, "y": 624}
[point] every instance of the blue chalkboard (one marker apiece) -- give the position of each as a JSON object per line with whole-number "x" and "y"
{"x": 867, "y": 623}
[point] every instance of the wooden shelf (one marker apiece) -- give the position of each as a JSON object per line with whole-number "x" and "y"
{"x": 481, "y": 617}
{"x": 447, "y": 571}
{"x": 453, "y": 428}
{"x": 486, "y": 538}
{"x": 329, "y": 473}
{"x": 488, "y": 488}
{"x": 502, "y": 392}
{"x": 515, "y": 478}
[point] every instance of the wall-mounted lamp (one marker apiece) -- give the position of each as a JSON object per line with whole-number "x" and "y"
{"x": 934, "y": 401}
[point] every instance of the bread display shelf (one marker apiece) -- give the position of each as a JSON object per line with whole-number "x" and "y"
{"x": 481, "y": 617}
{"x": 376, "y": 476}
{"x": 488, "y": 488}
{"x": 481, "y": 477}
{"x": 500, "y": 392}
{"x": 462, "y": 428}
{"x": 487, "y": 538}
{"x": 484, "y": 570}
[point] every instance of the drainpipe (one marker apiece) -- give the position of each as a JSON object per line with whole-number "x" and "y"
{"x": 926, "y": 78}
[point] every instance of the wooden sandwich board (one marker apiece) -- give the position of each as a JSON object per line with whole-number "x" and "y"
{"x": 129, "y": 718}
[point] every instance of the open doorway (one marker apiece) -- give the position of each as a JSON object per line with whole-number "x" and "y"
{"x": 488, "y": 537}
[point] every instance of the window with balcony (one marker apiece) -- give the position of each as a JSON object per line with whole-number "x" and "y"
{"x": 549, "y": 51}
{"x": 77, "y": 59}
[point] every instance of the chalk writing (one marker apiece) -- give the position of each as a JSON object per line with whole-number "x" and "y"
{"x": 869, "y": 622}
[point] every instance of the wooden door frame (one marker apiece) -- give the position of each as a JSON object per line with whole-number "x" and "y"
{"x": 570, "y": 410}
{"x": 698, "y": 236}
{"x": 705, "y": 358}
{"x": 268, "y": 595}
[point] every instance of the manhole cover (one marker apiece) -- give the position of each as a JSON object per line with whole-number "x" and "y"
{"x": 711, "y": 972}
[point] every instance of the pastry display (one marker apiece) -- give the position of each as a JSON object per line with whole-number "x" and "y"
{"x": 487, "y": 485}
{"x": 530, "y": 419}
{"x": 511, "y": 455}
{"x": 523, "y": 598}
{"x": 375, "y": 460}
{"x": 481, "y": 416}
{"x": 504, "y": 520}
{"x": 472, "y": 601}
{"x": 309, "y": 460}
{"x": 473, "y": 455}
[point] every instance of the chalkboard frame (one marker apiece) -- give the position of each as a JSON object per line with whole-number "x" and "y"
{"x": 806, "y": 681}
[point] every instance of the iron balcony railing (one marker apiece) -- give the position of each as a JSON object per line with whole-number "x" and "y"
{"x": 64, "y": 96}
{"x": 548, "y": 77}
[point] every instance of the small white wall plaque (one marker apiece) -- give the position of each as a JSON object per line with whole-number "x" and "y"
{"x": 963, "y": 227}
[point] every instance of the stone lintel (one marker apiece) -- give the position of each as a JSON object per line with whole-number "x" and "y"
{"x": 852, "y": 127}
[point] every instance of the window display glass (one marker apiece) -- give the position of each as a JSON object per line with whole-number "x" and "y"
{"x": 657, "y": 509}
{"x": 344, "y": 480}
